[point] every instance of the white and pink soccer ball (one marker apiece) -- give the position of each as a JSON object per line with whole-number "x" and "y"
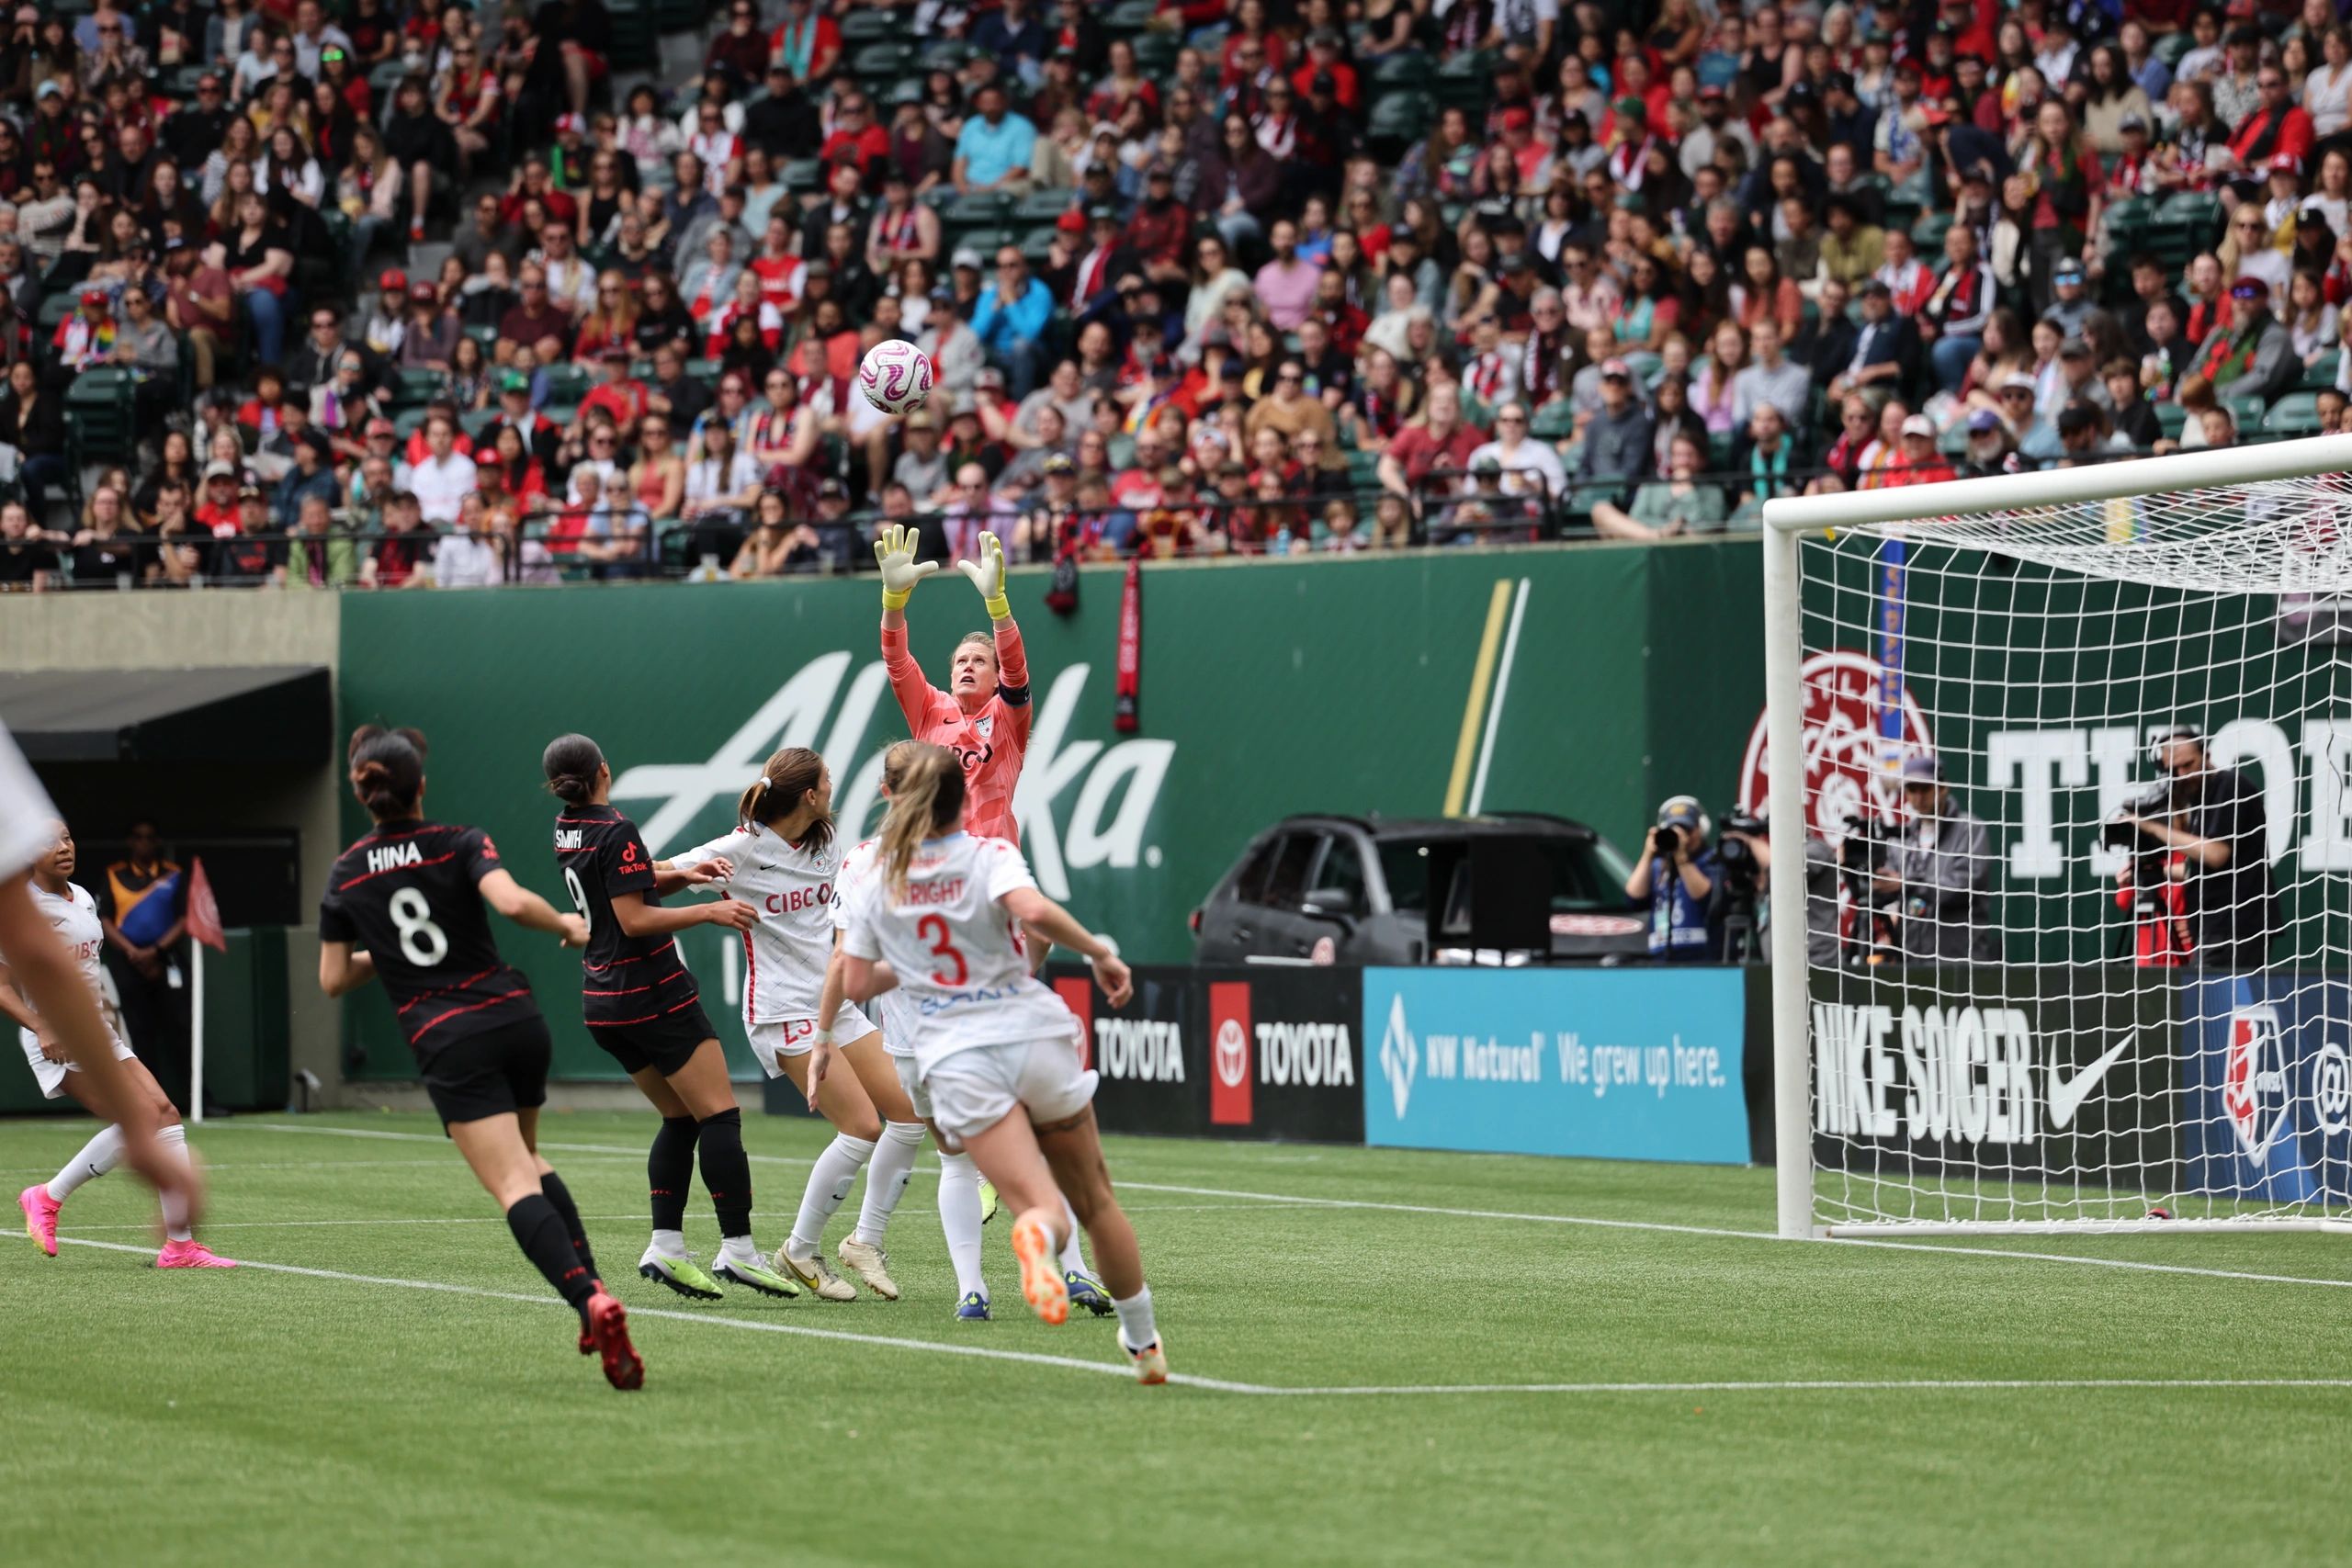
{"x": 895, "y": 376}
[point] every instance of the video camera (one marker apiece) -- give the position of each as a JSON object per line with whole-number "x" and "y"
{"x": 2159, "y": 799}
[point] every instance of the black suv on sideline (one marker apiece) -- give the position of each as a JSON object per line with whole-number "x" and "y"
{"x": 1352, "y": 890}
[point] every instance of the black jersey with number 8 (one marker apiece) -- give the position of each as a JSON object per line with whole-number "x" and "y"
{"x": 406, "y": 894}
{"x": 624, "y": 980}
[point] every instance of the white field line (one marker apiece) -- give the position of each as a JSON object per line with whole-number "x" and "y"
{"x": 1223, "y": 1385}
{"x": 1587, "y": 1220}
{"x": 638, "y": 1218}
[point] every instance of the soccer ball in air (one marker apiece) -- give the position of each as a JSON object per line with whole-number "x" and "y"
{"x": 895, "y": 376}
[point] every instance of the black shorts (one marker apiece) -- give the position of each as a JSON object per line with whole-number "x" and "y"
{"x": 490, "y": 1073}
{"x": 664, "y": 1043}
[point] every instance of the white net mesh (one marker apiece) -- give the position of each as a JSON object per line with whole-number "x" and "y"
{"x": 2025, "y": 1008}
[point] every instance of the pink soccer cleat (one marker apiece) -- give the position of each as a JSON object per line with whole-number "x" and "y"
{"x": 40, "y": 1216}
{"x": 190, "y": 1255}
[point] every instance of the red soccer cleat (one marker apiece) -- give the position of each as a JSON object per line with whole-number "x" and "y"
{"x": 608, "y": 1333}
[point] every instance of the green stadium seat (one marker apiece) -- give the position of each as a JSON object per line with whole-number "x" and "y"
{"x": 2248, "y": 411}
{"x": 2172, "y": 419}
{"x": 2318, "y": 376}
{"x": 869, "y": 24}
{"x": 101, "y": 425}
{"x": 1129, "y": 18}
{"x": 1555, "y": 421}
{"x": 985, "y": 241}
{"x": 877, "y": 66}
{"x": 1927, "y": 233}
{"x": 1721, "y": 447}
{"x": 415, "y": 386}
{"x": 567, "y": 383}
{"x": 1042, "y": 206}
{"x": 2297, "y": 413}
{"x": 1408, "y": 68}
{"x": 979, "y": 206}
{"x": 1038, "y": 243}
{"x": 1398, "y": 120}
{"x": 1363, "y": 469}
{"x": 1466, "y": 81}
{"x": 475, "y": 421}
{"x": 801, "y": 176}
{"x": 1156, "y": 53}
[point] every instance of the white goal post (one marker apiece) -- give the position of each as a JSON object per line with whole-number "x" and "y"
{"x": 2018, "y": 1009}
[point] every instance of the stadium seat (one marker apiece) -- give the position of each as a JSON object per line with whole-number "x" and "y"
{"x": 1042, "y": 206}
{"x": 1129, "y": 18}
{"x": 2248, "y": 411}
{"x": 2320, "y": 376}
{"x": 475, "y": 421}
{"x": 2172, "y": 419}
{"x": 979, "y": 206}
{"x": 1408, "y": 68}
{"x": 567, "y": 383}
{"x": 1038, "y": 243}
{"x": 2297, "y": 413}
{"x": 1155, "y": 54}
{"x": 868, "y": 25}
{"x": 1555, "y": 421}
{"x": 415, "y": 386}
{"x": 1398, "y": 120}
{"x": 1466, "y": 79}
{"x": 407, "y": 422}
{"x": 801, "y": 176}
{"x": 985, "y": 241}
{"x": 101, "y": 425}
{"x": 1927, "y": 233}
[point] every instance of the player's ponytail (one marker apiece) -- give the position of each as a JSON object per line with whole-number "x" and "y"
{"x": 896, "y": 761}
{"x": 570, "y": 762}
{"x": 387, "y": 772}
{"x": 777, "y": 793}
{"x": 928, "y": 800}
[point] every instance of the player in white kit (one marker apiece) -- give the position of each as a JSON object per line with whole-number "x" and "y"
{"x": 943, "y": 914}
{"x": 964, "y": 1205}
{"x": 783, "y": 860}
{"x": 72, "y": 914}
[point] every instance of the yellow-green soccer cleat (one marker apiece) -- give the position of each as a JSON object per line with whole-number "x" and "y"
{"x": 815, "y": 1276}
{"x": 753, "y": 1274}
{"x": 682, "y": 1274}
{"x": 987, "y": 1201}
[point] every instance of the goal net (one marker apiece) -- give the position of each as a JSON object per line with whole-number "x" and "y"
{"x": 2068, "y": 755}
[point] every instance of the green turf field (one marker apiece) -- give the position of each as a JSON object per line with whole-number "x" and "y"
{"x": 263, "y": 1417}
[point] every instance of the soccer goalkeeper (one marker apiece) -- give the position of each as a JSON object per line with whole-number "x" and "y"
{"x": 984, "y": 716}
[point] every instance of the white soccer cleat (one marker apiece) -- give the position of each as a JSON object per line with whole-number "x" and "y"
{"x": 871, "y": 1264}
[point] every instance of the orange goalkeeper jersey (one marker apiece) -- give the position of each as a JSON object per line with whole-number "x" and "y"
{"x": 990, "y": 741}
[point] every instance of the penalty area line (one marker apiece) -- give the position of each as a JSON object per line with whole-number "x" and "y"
{"x": 1225, "y": 1385}
{"x": 1585, "y": 1221}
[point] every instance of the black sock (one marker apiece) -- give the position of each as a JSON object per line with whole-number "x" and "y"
{"x": 551, "y": 1187}
{"x": 539, "y": 1232}
{"x": 670, "y": 1169}
{"x": 727, "y": 1172}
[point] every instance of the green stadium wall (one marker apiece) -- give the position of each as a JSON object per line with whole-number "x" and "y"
{"x": 1267, "y": 688}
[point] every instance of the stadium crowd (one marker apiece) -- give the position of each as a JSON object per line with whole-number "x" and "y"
{"x": 377, "y": 293}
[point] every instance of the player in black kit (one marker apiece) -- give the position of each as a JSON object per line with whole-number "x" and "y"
{"x": 404, "y": 905}
{"x": 643, "y": 1008}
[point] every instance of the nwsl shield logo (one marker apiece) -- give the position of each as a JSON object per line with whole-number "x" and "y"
{"x": 2254, "y": 1081}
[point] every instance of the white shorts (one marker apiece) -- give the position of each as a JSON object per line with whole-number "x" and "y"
{"x": 51, "y": 1074}
{"x": 974, "y": 1089}
{"x": 771, "y": 1042}
{"x": 917, "y": 1095}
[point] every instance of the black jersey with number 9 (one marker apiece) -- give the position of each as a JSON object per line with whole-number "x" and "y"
{"x": 406, "y": 893}
{"x": 625, "y": 980}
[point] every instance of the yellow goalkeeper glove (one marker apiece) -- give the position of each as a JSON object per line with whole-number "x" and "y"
{"x": 987, "y": 575}
{"x": 894, "y": 553}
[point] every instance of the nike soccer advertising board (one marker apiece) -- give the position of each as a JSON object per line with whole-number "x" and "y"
{"x": 2054, "y": 1072}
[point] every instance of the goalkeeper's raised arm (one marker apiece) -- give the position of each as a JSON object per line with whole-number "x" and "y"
{"x": 984, "y": 715}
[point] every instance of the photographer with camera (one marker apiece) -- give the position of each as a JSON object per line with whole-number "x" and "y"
{"x": 2212, "y": 819}
{"x": 1940, "y": 869}
{"x": 1702, "y": 896}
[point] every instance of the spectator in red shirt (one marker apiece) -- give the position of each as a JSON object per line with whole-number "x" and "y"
{"x": 1439, "y": 441}
{"x": 1159, "y": 231}
{"x": 1323, "y": 58}
{"x": 2279, "y": 127}
{"x": 857, "y": 137}
{"x": 620, "y": 391}
{"x": 1920, "y": 464}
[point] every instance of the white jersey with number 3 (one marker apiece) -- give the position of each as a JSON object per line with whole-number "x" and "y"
{"x": 793, "y": 889}
{"x": 955, "y": 950}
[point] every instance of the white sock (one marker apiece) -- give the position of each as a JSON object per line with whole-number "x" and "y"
{"x": 1137, "y": 1331}
{"x": 98, "y": 1156}
{"x": 669, "y": 1243}
{"x": 886, "y": 1179}
{"x": 1073, "y": 1259}
{"x": 959, "y": 1216}
{"x": 837, "y": 1167}
{"x": 175, "y": 1228}
{"x": 741, "y": 1248}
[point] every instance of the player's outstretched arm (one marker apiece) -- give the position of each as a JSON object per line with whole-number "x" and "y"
{"x": 894, "y": 552}
{"x": 1039, "y": 913}
{"x": 637, "y": 917}
{"x": 987, "y": 574}
{"x": 530, "y": 911}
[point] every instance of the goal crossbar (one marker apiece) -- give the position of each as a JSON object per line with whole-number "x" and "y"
{"x": 1928, "y": 516}
{"x": 1924, "y": 505}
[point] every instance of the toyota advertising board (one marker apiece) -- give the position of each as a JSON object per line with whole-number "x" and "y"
{"x": 1228, "y": 1052}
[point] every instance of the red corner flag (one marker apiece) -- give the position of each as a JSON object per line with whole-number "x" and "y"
{"x": 203, "y": 910}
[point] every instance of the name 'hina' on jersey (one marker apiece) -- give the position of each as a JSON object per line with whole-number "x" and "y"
{"x": 792, "y": 887}
{"x": 955, "y": 950}
{"x": 624, "y": 980}
{"x": 406, "y": 893}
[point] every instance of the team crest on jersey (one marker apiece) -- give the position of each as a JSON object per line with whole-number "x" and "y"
{"x": 982, "y": 726}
